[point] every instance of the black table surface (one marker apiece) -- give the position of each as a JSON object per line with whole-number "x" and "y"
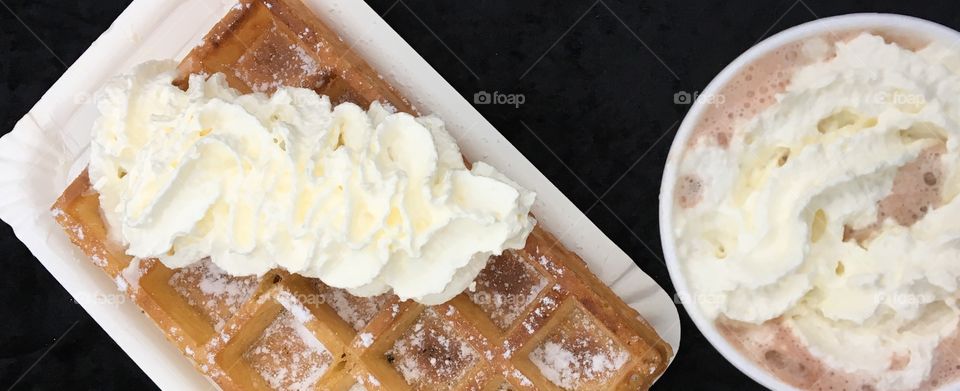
{"x": 597, "y": 79}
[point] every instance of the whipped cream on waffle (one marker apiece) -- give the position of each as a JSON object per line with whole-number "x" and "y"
{"x": 366, "y": 200}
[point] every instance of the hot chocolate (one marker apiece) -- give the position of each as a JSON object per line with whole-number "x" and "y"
{"x": 815, "y": 212}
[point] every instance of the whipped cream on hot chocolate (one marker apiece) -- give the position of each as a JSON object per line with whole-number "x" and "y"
{"x": 834, "y": 209}
{"x": 366, "y": 200}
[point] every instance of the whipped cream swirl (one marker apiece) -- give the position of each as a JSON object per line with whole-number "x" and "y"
{"x": 364, "y": 200}
{"x": 792, "y": 221}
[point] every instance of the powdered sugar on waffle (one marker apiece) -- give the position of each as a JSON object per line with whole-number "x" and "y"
{"x": 206, "y": 286}
{"x": 309, "y": 65}
{"x": 99, "y": 260}
{"x": 550, "y": 265}
{"x": 366, "y": 339}
{"x": 122, "y": 285}
{"x": 369, "y": 379}
{"x": 582, "y": 355}
{"x": 299, "y": 311}
{"x": 505, "y": 288}
{"x": 356, "y": 311}
{"x": 524, "y": 381}
{"x": 565, "y": 369}
{"x": 132, "y": 273}
{"x": 288, "y": 356}
{"x": 431, "y": 352}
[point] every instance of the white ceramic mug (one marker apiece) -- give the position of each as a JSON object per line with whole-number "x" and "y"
{"x": 915, "y": 27}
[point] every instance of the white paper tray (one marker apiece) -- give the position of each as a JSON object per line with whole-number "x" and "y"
{"x": 47, "y": 149}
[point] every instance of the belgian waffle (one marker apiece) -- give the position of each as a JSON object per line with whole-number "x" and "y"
{"x": 535, "y": 319}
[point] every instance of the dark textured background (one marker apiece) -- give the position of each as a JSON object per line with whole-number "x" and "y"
{"x": 598, "y": 78}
